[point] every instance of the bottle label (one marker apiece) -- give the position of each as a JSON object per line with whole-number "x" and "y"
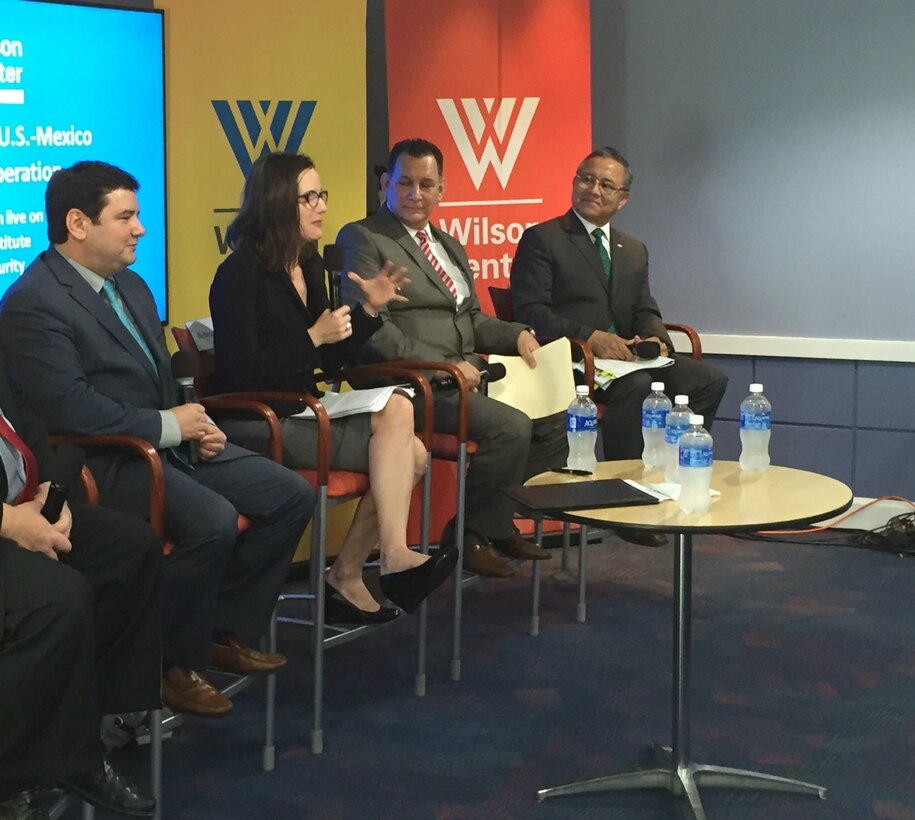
{"x": 673, "y": 432}
{"x": 656, "y": 419}
{"x": 755, "y": 421}
{"x": 581, "y": 424}
{"x": 695, "y": 456}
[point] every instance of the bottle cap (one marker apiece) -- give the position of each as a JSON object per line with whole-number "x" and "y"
{"x": 582, "y": 390}
{"x": 681, "y": 399}
{"x": 696, "y": 420}
{"x": 657, "y": 387}
{"x": 756, "y": 387}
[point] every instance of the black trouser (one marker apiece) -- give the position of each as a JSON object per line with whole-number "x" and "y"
{"x": 79, "y": 638}
{"x": 621, "y": 424}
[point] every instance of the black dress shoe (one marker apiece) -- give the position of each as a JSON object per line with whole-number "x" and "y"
{"x": 111, "y": 791}
{"x": 645, "y": 538}
{"x": 410, "y": 587}
{"x": 338, "y": 610}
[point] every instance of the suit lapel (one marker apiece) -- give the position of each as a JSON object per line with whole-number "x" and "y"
{"x": 583, "y": 245}
{"x": 411, "y": 247}
{"x": 96, "y": 305}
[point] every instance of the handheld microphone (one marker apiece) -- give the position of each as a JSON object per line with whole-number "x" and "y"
{"x": 646, "y": 350}
{"x": 491, "y": 373}
{"x": 66, "y": 464}
{"x": 333, "y": 264}
{"x": 184, "y": 367}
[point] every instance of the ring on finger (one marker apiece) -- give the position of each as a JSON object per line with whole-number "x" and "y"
{"x": 349, "y": 325}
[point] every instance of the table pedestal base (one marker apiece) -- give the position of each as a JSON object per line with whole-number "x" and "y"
{"x": 685, "y": 780}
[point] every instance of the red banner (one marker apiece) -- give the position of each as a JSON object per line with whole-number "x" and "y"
{"x": 503, "y": 88}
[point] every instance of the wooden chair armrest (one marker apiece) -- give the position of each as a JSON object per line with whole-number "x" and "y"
{"x": 144, "y": 450}
{"x": 213, "y": 404}
{"x": 452, "y": 370}
{"x": 692, "y": 334}
{"x": 90, "y": 488}
{"x": 305, "y": 401}
{"x": 419, "y": 382}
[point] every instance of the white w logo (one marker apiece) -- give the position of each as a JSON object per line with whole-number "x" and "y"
{"x": 489, "y": 127}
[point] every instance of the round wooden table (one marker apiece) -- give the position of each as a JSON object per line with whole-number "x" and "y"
{"x": 780, "y": 497}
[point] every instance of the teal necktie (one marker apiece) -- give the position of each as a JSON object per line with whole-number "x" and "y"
{"x": 111, "y": 293}
{"x": 598, "y": 235}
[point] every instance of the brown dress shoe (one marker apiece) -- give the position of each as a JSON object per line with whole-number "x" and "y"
{"x": 231, "y": 655}
{"x": 481, "y": 558}
{"x": 479, "y": 555}
{"x": 184, "y": 690}
{"x": 514, "y": 546}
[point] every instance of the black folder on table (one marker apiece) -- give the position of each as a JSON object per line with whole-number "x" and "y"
{"x": 579, "y": 495}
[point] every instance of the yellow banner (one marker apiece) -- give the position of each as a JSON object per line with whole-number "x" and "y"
{"x": 242, "y": 79}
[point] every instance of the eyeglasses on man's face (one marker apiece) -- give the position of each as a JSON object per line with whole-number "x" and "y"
{"x": 587, "y": 181}
{"x": 310, "y": 198}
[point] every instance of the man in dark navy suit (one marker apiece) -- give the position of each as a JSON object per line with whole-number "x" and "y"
{"x": 80, "y": 631}
{"x": 86, "y": 352}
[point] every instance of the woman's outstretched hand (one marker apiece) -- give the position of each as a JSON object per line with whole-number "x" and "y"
{"x": 383, "y": 288}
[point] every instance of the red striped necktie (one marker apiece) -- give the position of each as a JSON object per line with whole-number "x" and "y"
{"x": 423, "y": 238}
{"x": 31, "y": 466}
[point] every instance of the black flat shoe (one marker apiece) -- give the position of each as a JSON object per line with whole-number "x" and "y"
{"x": 111, "y": 791}
{"x": 410, "y": 587}
{"x": 338, "y": 610}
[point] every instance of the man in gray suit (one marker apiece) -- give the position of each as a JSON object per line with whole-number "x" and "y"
{"x": 442, "y": 321}
{"x": 577, "y": 276}
{"x": 85, "y": 351}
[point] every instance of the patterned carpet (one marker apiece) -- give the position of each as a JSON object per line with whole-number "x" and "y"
{"x": 803, "y": 666}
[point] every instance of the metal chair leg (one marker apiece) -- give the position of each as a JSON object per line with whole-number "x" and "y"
{"x": 459, "y": 572}
{"x": 419, "y": 683}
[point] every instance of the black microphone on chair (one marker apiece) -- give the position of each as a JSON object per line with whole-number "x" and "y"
{"x": 184, "y": 368}
{"x": 491, "y": 373}
{"x": 66, "y": 464}
{"x": 333, "y": 264}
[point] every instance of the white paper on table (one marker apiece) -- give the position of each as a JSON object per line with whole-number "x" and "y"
{"x": 354, "y": 402}
{"x": 606, "y": 370}
{"x": 669, "y": 490}
{"x": 540, "y": 391}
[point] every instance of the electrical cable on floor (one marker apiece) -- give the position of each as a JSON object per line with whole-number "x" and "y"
{"x": 897, "y": 535}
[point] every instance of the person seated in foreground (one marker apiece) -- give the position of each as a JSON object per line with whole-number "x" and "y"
{"x": 273, "y": 327}
{"x": 80, "y": 632}
{"x": 85, "y": 349}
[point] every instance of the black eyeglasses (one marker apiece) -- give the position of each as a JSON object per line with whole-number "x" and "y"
{"x": 310, "y": 198}
{"x": 606, "y": 186}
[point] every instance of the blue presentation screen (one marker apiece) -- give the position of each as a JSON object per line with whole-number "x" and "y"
{"x": 76, "y": 83}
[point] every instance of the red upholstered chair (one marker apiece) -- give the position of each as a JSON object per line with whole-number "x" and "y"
{"x": 145, "y": 451}
{"x": 332, "y": 487}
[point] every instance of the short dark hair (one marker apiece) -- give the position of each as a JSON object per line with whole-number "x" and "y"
{"x": 610, "y": 153}
{"x": 84, "y": 186}
{"x": 268, "y": 220}
{"x": 416, "y": 148}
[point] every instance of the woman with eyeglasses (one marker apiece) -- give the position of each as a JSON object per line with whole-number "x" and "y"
{"x": 273, "y": 328}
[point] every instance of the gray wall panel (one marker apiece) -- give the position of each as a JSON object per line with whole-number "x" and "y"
{"x": 885, "y": 463}
{"x": 805, "y": 391}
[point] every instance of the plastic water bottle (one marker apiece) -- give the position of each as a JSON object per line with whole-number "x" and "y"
{"x": 654, "y": 420}
{"x": 581, "y": 427}
{"x": 677, "y": 424}
{"x": 755, "y": 429}
{"x": 695, "y": 467}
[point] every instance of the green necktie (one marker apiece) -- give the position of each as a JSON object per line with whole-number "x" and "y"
{"x": 598, "y": 235}
{"x": 111, "y": 294}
